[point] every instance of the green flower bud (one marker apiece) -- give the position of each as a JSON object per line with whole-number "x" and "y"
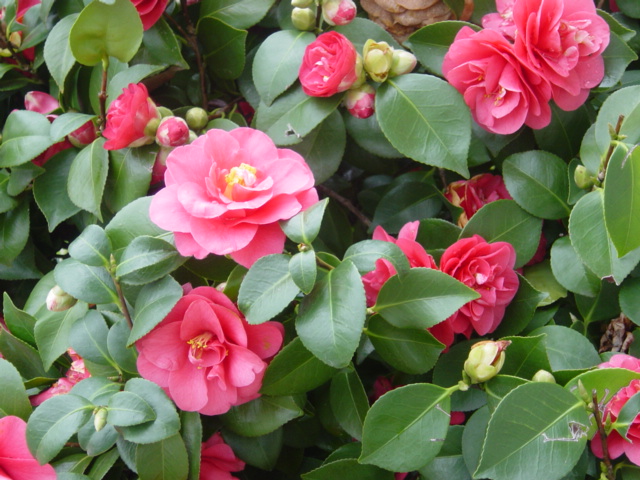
{"x": 543, "y": 376}
{"x": 583, "y": 178}
{"x": 485, "y": 360}
{"x": 302, "y": 3}
{"x": 197, "y": 118}
{"x": 99, "y": 418}
{"x": 165, "y": 112}
{"x": 303, "y": 18}
{"x": 152, "y": 127}
{"x": 192, "y": 136}
{"x": 402, "y": 62}
{"x": 377, "y": 58}
{"x": 58, "y": 300}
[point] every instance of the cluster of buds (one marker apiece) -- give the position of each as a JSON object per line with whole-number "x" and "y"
{"x": 334, "y": 12}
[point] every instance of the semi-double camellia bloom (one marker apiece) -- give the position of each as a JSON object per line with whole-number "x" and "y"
{"x": 205, "y": 355}
{"x": 217, "y": 460}
{"x": 128, "y": 117}
{"x": 502, "y": 92}
{"x": 328, "y": 65}
{"x": 226, "y": 192}
{"x": 16, "y": 461}
{"x": 473, "y": 194}
{"x": 150, "y": 11}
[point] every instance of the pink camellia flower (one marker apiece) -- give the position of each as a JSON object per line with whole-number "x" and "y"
{"x": 328, "y": 65}
{"x": 217, "y": 460}
{"x": 172, "y": 132}
{"x": 226, "y": 192}
{"x": 339, "y": 12}
{"x": 205, "y": 355}
{"x": 563, "y": 41}
{"x": 84, "y": 135}
{"x": 360, "y": 102}
{"x": 487, "y": 268}
{"x": 622, "y": 360}
{"x": 16, "y": 461}
{"x": 44, "y": 103}
{"x": 128, "y": 117}
{"x": 23, "y": 6}
{"x": 150, "y": 11}
{"x": 471, "y": 195}
{"x": 75, "y": 374}
{"x": 503, "y": 20}
{"x": 502, "y": 92}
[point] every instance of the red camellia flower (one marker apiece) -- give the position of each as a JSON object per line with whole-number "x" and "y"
{"x": 226, "y": 192}
{"x": 150, "y": 11}
{"x": 563, "y": 41}
{"x": 127, "y": 118}
{"x": 76, "y": 373}
{"x": 205, "y": 355}
{"x": 217, "y": 460}
{"x": 16, "y": 461}
{"x": 471, "y": 195}
{"x": 488, "y": 269}
{"x": 503, "y": 20}
{"x": 502, "y": 92}
{"x": 328, "y": 65}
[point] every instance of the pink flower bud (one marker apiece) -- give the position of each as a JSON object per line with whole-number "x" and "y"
{"x": 84, "y": 135}
{"x": 172, "y": 132}
{"x": 360, "y": 101}
{"x": 338, "y": 12}
{"x": 58, "y": 300}
{"x": 40, "y": 102}
{"x": 160, "y": 165}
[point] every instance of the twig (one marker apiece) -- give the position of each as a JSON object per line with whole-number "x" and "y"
{"x": 612, "y": 146}
{"x": 22, "y": 62}
{"x": 102, "y": 96}
{"x": 123, "y": 303}
{"x": 603, "y": 437}
{"x": 193, "y": 43}
{"x": 345, "y": 203}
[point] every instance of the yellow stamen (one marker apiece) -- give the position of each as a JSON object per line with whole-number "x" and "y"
{"x": 244, "y": 175}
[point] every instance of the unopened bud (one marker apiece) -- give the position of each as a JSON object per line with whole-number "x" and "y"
{"x": 84, "y": 135}
{"x": 58, "y": 300}
{"x": 303, "y": 18}
{"x": 377, "y": 58}
{"x": 151, "y": 128}
{"x": 172, "y": 132}
{"x": 339, "y": 12}
{"x": 584, "y": 395}
{"x": 197, "y": 118}
{"x": 543, "y": 376}
{"x": 360, "y": 102}
{"x": 15, "y": 39}
{"x": 99, "y": 418}
{"x": 301, "y": 3}
{"x": 164, "y": 112}
{"x": 583, "y": 178}
{"x": 485, "y": 360}
{"x": 192, "y": 136}
{"x": 402, "y": 62}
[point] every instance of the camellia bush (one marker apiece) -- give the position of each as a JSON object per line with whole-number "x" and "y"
{"x": 378, "y": 240}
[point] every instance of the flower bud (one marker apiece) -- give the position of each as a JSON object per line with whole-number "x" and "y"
{"x": 485, "y": 360}
{"x": 84, "y": 135}
{"x": 543, "y": 376}
{"x": 40, "y": 102}
{"x": 583, "y": 178}
{"x": 172, "y": 132}
{"x": 164, "y": 112}
{"x": 197, "y": 118}
{"x": 338, "y": 12}
{"x": 192, "y": 136}
{"x": 360, "y": 102}
{"x": 160, "y": 165}
{"x": 402, "y": 62}
{"x": 99, "y": 418}
{"x": 150, "y": 130}
{"x": 362, "y": 76}
{"x": 58, "y": 300}
{"x": 377, "y": 58}
{"x": 303, "y": 18}
{"x": 301, "y": 3}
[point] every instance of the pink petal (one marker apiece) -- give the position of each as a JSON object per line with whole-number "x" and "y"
{"x": 267, "y": 240}
{"x": 265, "y": 339}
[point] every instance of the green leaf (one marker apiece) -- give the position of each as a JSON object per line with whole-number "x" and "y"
{"x": 538, "y": 182}
{"x": 88, "y": 337}
{"x": 50, "y": 190}
{"x": 14, "y": 232}
{"x": 368, "y": 135}
{"x": 24, "y": 357}
{"x": 96, "y": 443}
{"x": 57, "y": 50}
{"x": 160, "y": 46}
{"x": 569, "y": 270}
{"x": 542, "y": 279}
{"x": 266, "y": 289}
{"x": 331, "y": 317}
{"x": 347, "y": 468}
{"x": 261, "y": 452}
{"x": 90, "y": 284}
{"x": 498, "y": 387}
{"x": 67, "y": 123}
{"x": 629, "y": 8}
{"x": 563, "y": 135}
{"x": 295, "y": 370}
{"x": 627, "y": 415}
{"x": 243, "y": 15}
{"x": 567, "y": 349}
{"x": 421, "y": 298}
{"x": 153, "y": 303}
{"x": 622, "y": 102}
{"x": 406, "y": 427}
{"x": 129, "y": 408}
{"x": 224, "y": 52}
{"x": 191, "y": 432}
{"x": 605, "y": 381}
{"x": 349, "y": 402}
{"x": 437, "y": 115}
{"x": 276, "y": 64}
{"x": 431, "y": 43}
{"x": 53, "y": 422}
{"x": 123, "y": 78}
{"x": 525, "y": 356}
{"x": 25, "y": 136}
{"x": 103, "y": 31}
{"x": 117, "y": 340}
{"x": 163, "y": 460}
{"x": 131, "y": 222}
{"x": 103, "y": 464}
{"x": 303, "y": 270}
{"x": 87, "y": 177}
{"x": 146, "y": 260}
{"x": 7, "y": 202}
{"x": 629, "y": 299}
{"x": 293, "y": 115}
{"x": 305, "y": 226}
{"x": 19, "y": 322}
{"x": 617, "y": 57}
{"x": 622, "y": 200}
{"x": 129, "y": 176}
{"x": 262, "y": 415}
{"x": 52, "y": 332}
{"x": 520, "y": 310}
{"x": 505, "y": 221}
{"x": 515, "y": 437}
{"x": 409, "y": 350}
{"x": 405, "y": 202}
{"x": 91, "y": 247}
{"x": 364, "y": 255}
{"x": 14, "y": 399}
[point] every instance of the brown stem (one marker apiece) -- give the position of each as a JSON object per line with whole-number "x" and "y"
{"x": 345, "y": 203}
{"x": 603, "y": 437}
{"x": 192, "y": 39}
{"x": 102, "y": 96}
{"x": 123, "y": 303}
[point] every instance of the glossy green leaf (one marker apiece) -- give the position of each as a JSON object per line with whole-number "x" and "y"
{"x": 267, "y": 289}
{"x": 117, "y": 340}
{"x": 569, "y": 270}
{"x": 224, "y": 52}
{"x": 262, "y": 415}
{"x": 19, "y": 322}
{"x": 14, "y": 232}
{"x": 305, "y": 226}
{"x": 604, "y": 381}
{"x": 52, "y": 332}
{"x": 24, "y": 357}
{"x": 146, "y": 260}
{"x": 421, "y": 298}
{"x": 123, "y": 78}
{"x": 102, "y": 31}
{"x": 368, "y": 135}
{"x": 129, "y": 176}
{"x": 406, "y": 427}
{"x": 88, "y": 337}
{"x": 498, "y": 387}
{"x": 57, "y": 51}
{"x": 24, "y": 137}
{"x": 630, "y": 8}
{"x": 627, "y": 415}
{"x": 348, "y": 468}
{"x": 542, "y": 279}
{"x": 505, "y": 221}
{"x": 515, "y": 437}
{"x": 130, "y": 222}
{"x": 53, "y": 422}
{"x": 622, "y": 102}
{"x": 242, "y": 15}
{"x": 349, "y": 402}
{"x": 67, "y": 123}
{"x": 92, "y": 247}
{"x": 14, "y": 399}
{"x": 437, "y": 115}
{"x": 525, "y": 356}
{"x": 90, "y": 284}
{"x": 617, "y": 57}
{"x": 409, "y": 350}
{"x": 567, "y": 349}
{"x": 295, "y": 370}
{"x": 563, "y": 135}
{"x": 538, "y": 182}
{"x": 160, "y": 46}
{"x": 261, "y": 452}
{"x": 520, "y": 310}
{"x": 361, "y": 29}
{"x": 629, "y": 299}
{"x": 364, "y": 255}
{"x": 473, "y": 437}
{"x": 277, "y": 61}
{"x": 191, "y": 431}
{"x": 405, "y": 202}
{"x": 604, "y": 306}
{"x": 7, "y": 202}
{"x": 128, "y": 408}
{"x": 163, "y": 460}
{"x": 87, "y": 177}
{"x": 303, "y": 270}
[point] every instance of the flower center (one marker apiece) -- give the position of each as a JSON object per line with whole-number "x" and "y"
{"x": 244, "y": 175}
{"x": 199, "y": 344}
